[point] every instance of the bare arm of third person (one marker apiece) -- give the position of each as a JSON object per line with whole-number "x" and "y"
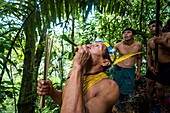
{"x": 149, "y": 57}
{"x": 164, "y": 40}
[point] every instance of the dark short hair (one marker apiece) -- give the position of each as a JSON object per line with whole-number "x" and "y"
{"x": 133, "y": 31}
{"x": 168, "y": 22}
{"x": 154, "y": 21}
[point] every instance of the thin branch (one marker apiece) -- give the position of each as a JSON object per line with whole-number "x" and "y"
{"x": 141, "y": 15}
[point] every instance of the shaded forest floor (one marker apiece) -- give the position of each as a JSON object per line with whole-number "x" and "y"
{"x": 139, "y": 103}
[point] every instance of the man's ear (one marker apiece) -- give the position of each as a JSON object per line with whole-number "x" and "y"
{"x": 105, "y": 62}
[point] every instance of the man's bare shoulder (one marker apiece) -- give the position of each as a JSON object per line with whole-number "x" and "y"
{"x": 111, "y": 84}
{"x": 138, "y": 43}
{"x": 150, "y": 40}
{"x": 118, "y": 44}
{"x": 166, "y": 34}
{"x": 109, "y": 89}
{"x": 106, "y": 94}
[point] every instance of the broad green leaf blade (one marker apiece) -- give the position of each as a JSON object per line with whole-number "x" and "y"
{"x": 68, "y": 40}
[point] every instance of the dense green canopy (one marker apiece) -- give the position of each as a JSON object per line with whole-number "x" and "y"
{"x": 26, "y": 23}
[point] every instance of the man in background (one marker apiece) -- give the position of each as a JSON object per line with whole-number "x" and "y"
{"x": 125, "y": 73}
{"x": 162, "y": 78}
{"x": 151, "y": 72}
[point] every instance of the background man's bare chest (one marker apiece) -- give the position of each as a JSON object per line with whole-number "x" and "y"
{"x": 125, "y": 49}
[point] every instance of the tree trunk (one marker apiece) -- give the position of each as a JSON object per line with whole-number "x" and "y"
{"x": 26, "y": 103}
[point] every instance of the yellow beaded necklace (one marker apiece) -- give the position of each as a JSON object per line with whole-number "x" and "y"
{"x": 91, "y": 80}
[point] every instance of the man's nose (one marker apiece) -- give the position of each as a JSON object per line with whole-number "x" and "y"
{"x": 89, "y": 46}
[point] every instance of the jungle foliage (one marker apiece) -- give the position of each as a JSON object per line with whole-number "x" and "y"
{"x": 26, "y": 23}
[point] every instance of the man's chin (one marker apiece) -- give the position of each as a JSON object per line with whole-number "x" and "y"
{"x": 127, "y": 39}
{"x": 153, "y": 32}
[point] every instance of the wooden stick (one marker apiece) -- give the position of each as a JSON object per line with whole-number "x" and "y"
{"x": 46, "y": 61}
{"x": 157, "y": 33}
{"x": 51, "y": 45}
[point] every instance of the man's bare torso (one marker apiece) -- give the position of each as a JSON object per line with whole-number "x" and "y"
{"x": 100, "y": 88}
{"x": 128, "y": 49}
{"x": 163, "y": 53}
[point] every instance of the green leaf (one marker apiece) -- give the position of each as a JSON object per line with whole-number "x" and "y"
{"x": 6, "y": 46}
{"x": 2, "y": 41}
{"x": 2, "y": 56}
{"x": 68, "y": 40}
{"x": 117, "y": 5}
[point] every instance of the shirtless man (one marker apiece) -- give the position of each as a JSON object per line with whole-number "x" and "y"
{"x": 151, "y": 73}
{"x": 124, "y": 73}
{"x": 126, "y": 67}
{"x": 163, "y": 42}
{"x": 88, "y": 89}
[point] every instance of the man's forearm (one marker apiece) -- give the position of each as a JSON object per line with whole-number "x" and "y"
{"x": 139, "y": 64}
{"x": 149, "y": 59}
{"x": 56, "y": 96}
{"x": 73, "y": 94}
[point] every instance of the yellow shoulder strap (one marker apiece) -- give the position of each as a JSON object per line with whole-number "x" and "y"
{"x": 125, "y": 57}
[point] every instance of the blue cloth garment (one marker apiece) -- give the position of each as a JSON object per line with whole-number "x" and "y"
{"x": 125, "y": 78}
